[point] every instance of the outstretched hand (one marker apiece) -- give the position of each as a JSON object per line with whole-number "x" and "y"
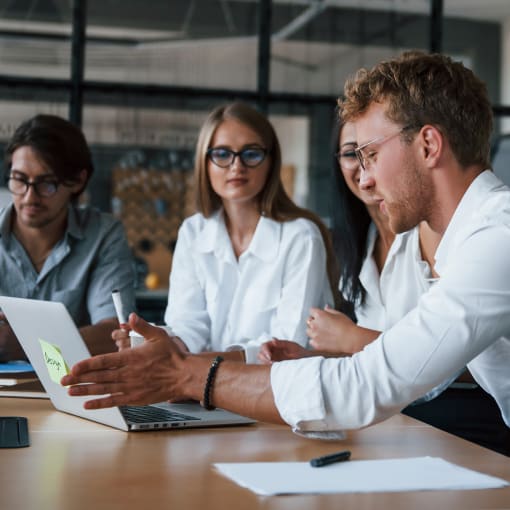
{"x": 151, "y": 372}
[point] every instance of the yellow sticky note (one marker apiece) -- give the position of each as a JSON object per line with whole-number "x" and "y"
{"x": 55, "y": 363}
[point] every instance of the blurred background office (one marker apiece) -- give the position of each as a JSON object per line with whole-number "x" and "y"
{"x": 139, "y": 76}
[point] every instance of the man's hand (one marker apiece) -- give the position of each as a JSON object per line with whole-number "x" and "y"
{"x": 280, "y": 350}
{"x": 151, "y": 372}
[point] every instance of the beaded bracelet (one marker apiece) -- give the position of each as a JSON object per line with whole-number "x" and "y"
{"x": 206, "y": 403}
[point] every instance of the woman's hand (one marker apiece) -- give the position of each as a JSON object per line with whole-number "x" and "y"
{"x": 332, "y": 331}
{"x": 280, "y": 350}
{"x": 121, "y": 337}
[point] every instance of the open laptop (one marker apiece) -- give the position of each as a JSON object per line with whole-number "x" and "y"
{"x": 44, "y": 325}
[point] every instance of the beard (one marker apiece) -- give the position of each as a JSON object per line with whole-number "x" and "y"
{"x": 41, "y": 215}
{"x": 412, "y": 200}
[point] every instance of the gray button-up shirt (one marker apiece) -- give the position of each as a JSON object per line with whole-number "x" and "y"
{"x": 91, "y": 259}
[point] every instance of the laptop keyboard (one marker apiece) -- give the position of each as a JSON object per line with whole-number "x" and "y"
{"x": 151, "y": 414}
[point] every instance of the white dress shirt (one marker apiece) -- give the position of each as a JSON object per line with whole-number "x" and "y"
{"x": 464, "y": 319}
{"x": 217, "y": 302}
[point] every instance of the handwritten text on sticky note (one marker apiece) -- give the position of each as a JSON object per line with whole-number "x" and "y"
{"x": 55, "y": 363}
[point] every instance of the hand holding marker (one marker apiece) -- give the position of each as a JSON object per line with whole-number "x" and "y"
{"x": 134, "y": 338}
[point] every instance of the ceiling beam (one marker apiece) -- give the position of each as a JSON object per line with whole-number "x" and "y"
{"x": 300, "y": 21}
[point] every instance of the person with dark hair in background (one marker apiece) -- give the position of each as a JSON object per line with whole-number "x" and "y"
{"x": 52, "y": 249}
{"x": 250, "y": 263}
{"x": 382, "y": 276}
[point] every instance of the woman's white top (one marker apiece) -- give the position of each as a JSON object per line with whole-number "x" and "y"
{"x": 394, "y": 292}
{"x": 217, "y": 302}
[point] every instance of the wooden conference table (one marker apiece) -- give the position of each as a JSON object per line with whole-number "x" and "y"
{"x": 74, "y": 464}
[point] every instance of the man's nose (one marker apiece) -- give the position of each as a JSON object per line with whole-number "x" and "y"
{"x": 30, "y": 193}
{"x": 366, "y": 179}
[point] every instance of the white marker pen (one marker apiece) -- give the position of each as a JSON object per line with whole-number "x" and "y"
{"x": 119, "y": 309}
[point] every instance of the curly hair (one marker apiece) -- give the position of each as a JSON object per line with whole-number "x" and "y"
{"x": 432, "y": 89}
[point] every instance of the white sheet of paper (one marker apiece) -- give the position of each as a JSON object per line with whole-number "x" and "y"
{"x": 385, "y": 475}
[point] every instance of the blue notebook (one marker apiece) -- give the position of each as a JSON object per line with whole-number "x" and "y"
{"x": 15, "y": 367}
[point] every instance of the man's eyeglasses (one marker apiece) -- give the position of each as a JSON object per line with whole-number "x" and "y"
{"x": 367, "y": 159}
{"x": 43, "y": 187}
{"x": 250, "y": 157}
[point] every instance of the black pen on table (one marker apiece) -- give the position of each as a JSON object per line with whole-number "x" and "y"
{"x": 330, "y": 459}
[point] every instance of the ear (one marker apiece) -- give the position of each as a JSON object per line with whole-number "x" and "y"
{"x": 432, "y": 144}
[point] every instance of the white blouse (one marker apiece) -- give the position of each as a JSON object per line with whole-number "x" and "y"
{"x": 405, "y": 277}
{"x": 397, "y": 289}
{"x": 217, "y": 302}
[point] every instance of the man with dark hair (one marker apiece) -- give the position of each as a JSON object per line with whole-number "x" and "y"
{"x": 423, "y": 124}
{"x": 52, "y": 249}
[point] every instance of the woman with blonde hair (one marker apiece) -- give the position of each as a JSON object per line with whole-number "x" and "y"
{"x": 250, "y": 264}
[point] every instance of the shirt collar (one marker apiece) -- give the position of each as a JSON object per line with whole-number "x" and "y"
{"x": 264, "y": 244}
{"x": 472, "y": 199}
{"x": 213, "y": 234}
{"x": 74, "y": 228}
{"x": 266, "y": 239}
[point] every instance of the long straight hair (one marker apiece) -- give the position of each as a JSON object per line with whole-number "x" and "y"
{"x": 350, "y": 231}
{"x": 273, "y": 200}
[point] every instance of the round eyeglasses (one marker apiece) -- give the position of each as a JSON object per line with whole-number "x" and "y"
{"x": 43, "y": 188}
{"x": 250, "y": 157}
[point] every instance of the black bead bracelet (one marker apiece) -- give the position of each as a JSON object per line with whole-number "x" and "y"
{"x": 206, "y": 403}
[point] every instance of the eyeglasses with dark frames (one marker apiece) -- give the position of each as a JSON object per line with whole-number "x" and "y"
{"x": 43, "y": 187}
{"x": 250, "y": 157}
{"x": 347, "y": 158}
{"x": 366, "y": 160}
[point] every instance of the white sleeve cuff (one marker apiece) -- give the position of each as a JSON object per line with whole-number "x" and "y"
{"x": 251, "y": 351}
{"x": 297, "y": 391}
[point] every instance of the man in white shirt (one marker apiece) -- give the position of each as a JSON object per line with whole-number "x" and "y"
{"x": 423, "y": 125}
